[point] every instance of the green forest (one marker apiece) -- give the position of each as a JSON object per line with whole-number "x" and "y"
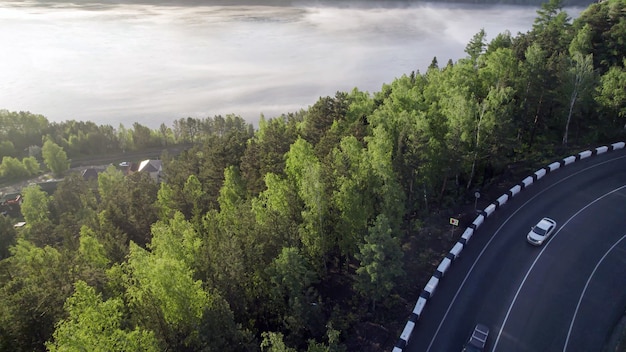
{"x": 313, "y": 231}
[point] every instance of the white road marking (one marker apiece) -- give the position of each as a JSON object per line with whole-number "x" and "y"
{"x": 571, "y": 326}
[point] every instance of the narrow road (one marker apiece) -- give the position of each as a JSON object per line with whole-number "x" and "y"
{"x": 564, "y": 296}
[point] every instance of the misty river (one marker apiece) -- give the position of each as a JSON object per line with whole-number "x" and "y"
{"x": 152, "y": 64}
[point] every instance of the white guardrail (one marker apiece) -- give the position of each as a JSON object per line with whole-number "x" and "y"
{"x": 457, "y": 248}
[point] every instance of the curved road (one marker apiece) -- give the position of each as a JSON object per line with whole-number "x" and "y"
{"x": 563, "y": 296}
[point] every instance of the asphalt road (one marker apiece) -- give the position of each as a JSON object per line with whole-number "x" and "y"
{"x": 563, "y": 296}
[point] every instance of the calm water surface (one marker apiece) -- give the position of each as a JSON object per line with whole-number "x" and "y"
{"x": 153, "y": 64}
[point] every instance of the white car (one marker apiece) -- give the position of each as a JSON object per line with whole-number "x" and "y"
{"x": 540, "y": 232}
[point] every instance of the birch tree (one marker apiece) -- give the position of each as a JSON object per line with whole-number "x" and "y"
{"x": 304, "y": 170}
{"x": 580, "y": 77}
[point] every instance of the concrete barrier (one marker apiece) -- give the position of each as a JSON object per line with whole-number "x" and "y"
{"x": 539, "y": 174}
{"x": 418, "y": 309}
{"x": 585, "y": 154}
{"x": 431, "y": 287}
{"x": 467, "y": 234}
{"x": 569, "y": 160}
{"x": 490, "y": 209}
{"x": 477, "y": 222}
{"x": 618, "y": 145}
{"x": 555, "y": 165}
{"x": 408, "y": 330}
{"x": 443, "y": 267}
{"x": 601, "y": 150}
{"x": 527, "y": 182}
{"x": 404, "y": 337}
{"x": 515, "y": 190}
{"x": 502, "y": 200}
{"x": 455, "y": 252}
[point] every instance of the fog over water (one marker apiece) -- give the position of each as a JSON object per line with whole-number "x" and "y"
{"x": 151, "y": 64}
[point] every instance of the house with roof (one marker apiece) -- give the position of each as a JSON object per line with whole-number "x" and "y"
{"x": 153, "y": 167}
{"x": 91, "y": 173}
{"x": 11, "y": 199}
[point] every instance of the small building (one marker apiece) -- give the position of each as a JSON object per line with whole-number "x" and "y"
{"x": 91, "y": 173}
{"x": 11, "y": 199}
{"x": 153, "y": 167}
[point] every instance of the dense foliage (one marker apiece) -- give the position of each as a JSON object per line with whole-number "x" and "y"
{"x": 290, "y": 236}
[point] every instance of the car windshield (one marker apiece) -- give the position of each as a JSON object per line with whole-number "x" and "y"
{"x": 538, "y": 230}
